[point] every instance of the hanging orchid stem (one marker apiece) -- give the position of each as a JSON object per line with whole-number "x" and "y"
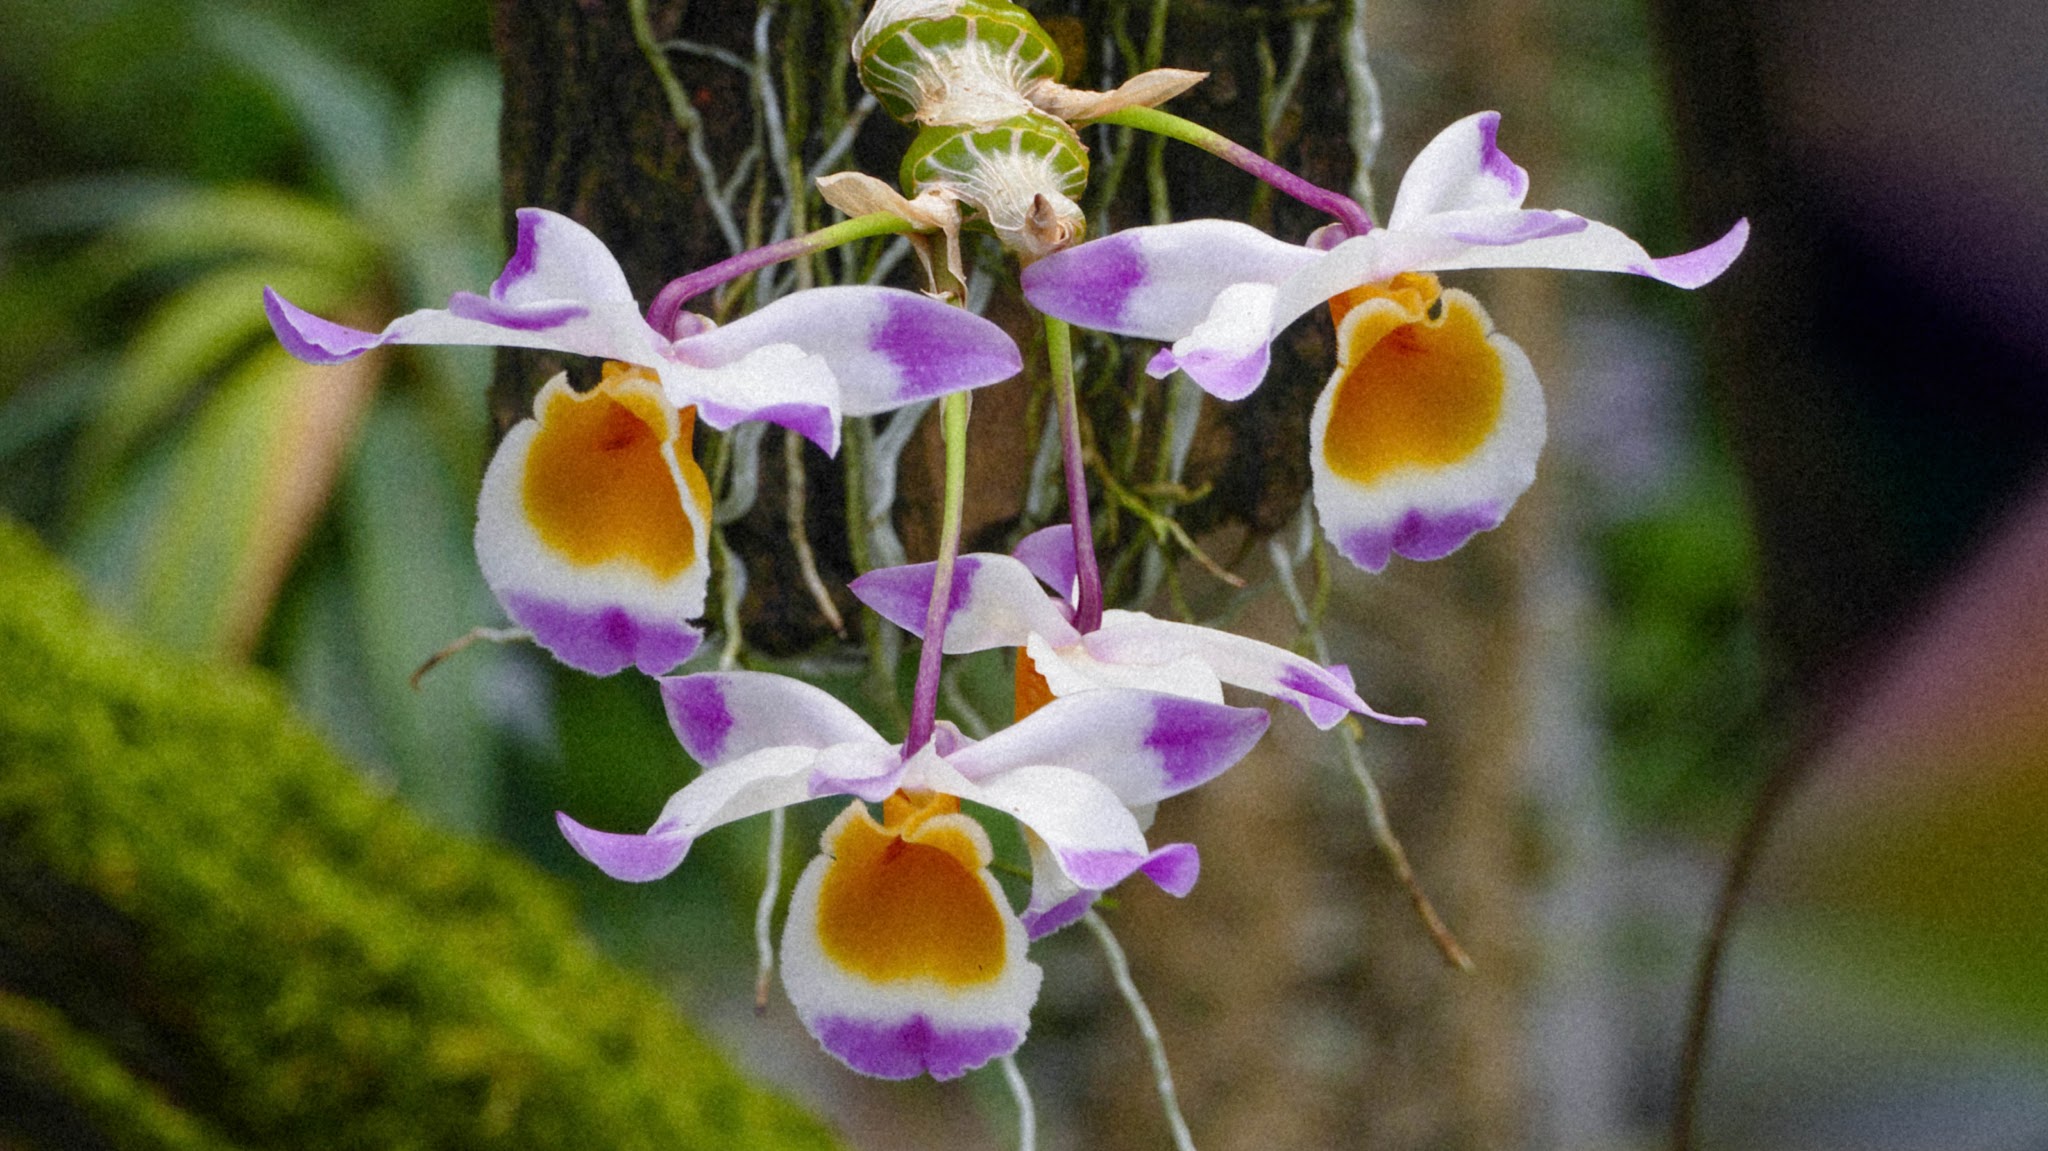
{"x": 668, "y": 303}
{"x": 924, "y": 706}
{"x": 1059, "y": 347}
{"x": 1162, "y": 1074}
{"x": 1348, "y": 736}
{"x": 1344, "y": 208}
{"x": 1027, "y": 1114}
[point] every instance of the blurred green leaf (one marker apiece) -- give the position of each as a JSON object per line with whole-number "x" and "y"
{"x": 83, "y": 204}
{"x": 350, "y": 117}
{"x": 317, "y": 633}
{"x": 248, "y": 220}
{"x": 182, "y": 346}
{"x": 186, "y": 567}
{"x": 417, "y": 588}
{"x": 42, "y": 408}
{"x": 453, "y": 154}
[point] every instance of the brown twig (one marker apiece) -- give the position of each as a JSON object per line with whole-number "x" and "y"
{"x": 1777, "y": 787}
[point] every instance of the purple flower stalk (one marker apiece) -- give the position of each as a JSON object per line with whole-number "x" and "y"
{"x": 1347, "y": 211}
{"x": 667, "y": 309}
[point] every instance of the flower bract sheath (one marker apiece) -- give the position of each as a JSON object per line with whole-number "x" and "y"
{"x": 801, "y": 362}
{"x": 944, "y": 987}
{"x": 953, "y": 61}
{"x": 1020, "y": 175}
{"x": 1430, "y": 428}
{"x": 593, "y": 525}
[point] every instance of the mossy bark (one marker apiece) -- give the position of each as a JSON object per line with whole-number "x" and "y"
{"x": 213, "y": 935}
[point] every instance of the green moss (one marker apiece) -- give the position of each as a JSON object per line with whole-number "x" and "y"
{"x": 229, "y": 941}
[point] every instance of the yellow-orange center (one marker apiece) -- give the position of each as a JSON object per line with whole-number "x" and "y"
{"x": 1412, "y": 389}
{"x": 904, "y": 899}
{"x": 1033, "y": 692}
{"x": 596, "y": 485}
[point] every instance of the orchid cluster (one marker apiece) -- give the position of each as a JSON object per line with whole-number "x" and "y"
{"x": 901, "y": 952}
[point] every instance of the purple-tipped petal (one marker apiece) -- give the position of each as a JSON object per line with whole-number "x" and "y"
{"x": 1511, "y": 177}
{"x": 1462, "y": 169}
{"x": 903, "y": 595}
{"x": 882, "y": 347}
{"x": 1100, "y": 870}
{"x": 1196, "y": 741}
{"x": 1158, "y": 282}
{"x": 1049, "y": 554}
{"x": 817, "y": 423}
{"x": 631, "y": 858}
{"x": 1142, "y": 745}
{"x": 1325, "y": 694}
{"x": 1325, "y": 708}
{"x": 913, "y": 1047}
{"x": 1174, "y": 868}
{"x": 1511, "y": 227}
{"x": 557, "y": 259}
{"x": 1701, "y": 265}
{"x": 1039, "y": 924}
{"x": 1443, "y": 243}
{"x": 536, "y": 317}
{"x": 698, "y": 715}
{"x": 1228, "y": 352}
{"x": 562, "y": 290}
{"x": 995, "y": 602}
{"x": 722, "y": 716}
{"x": 1226, "y": 373}
{"x": 312, "y": 339}
{"x": 933, "y": 349}
{"x": 1090, "y": 284}
{"x": 1418, "y": 536}
{"x": 606, "y": 639}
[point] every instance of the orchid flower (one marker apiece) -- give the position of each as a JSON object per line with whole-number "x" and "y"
{"x": 900, "y": 952}
{"x": 593, "y": 527}
{"x": 997, "y": 601}
{"x": 1430, "y": 427}
{"x": 801, "y": 362}
{"x": 593, "y": 522}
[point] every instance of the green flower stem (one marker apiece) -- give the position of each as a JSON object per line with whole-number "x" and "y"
{"x": 668, "y": 303}
{"x": 924, "y": 707}
{"x": 1059, "y": 347}
{"x": 1344, "y": 208}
